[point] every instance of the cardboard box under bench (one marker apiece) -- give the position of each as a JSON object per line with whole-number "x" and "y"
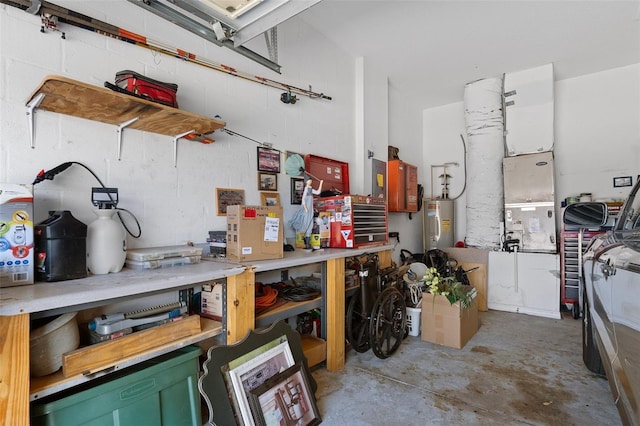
{"x": 447, "y": 324}
{"x": 314, "y": 349}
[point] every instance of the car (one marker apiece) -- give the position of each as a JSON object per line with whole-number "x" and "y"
{"x": 610, "y": 298}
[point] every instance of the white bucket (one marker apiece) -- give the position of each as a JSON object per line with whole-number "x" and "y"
{"x": 413, "y": 321}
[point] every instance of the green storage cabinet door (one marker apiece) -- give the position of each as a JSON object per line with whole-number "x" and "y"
{"x": 159, "y": 392}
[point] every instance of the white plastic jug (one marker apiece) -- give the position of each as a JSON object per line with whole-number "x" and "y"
{"x": 106, "y": 243}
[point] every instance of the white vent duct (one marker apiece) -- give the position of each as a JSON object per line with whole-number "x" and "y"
{"x": 485, "y": 135}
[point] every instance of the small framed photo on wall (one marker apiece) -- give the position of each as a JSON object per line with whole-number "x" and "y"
{"x": 621, "y": 181}
{"x": 297, "y": 188}
{"x": 268, "y": 160}
{"x": 267, "y": 181}
{"x": 270, "y": 198}
{"x": 228, "y": 197}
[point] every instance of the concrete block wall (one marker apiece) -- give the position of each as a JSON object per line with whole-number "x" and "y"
{"x": 174, "y": 205}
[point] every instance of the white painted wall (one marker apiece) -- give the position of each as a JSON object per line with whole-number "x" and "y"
{"x": 405, "y": 133}
{"x": 173, "y": 204}
{"x": 597, "y": 133}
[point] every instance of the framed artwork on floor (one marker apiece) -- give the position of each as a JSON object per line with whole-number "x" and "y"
{"x": 284, "y": 399}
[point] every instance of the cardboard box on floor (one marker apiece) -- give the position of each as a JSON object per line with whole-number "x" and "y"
{"x": 475, "y": 261}
{"x": 314, "y": 349}
{"x": 447, "y": 324}
{"x": 255, "y": 232}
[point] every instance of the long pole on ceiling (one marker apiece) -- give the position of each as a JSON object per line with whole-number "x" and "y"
{"x": 49, "y": 12}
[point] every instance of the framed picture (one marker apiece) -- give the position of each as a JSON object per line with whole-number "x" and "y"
{"x": 622, "y": 181}
{"x": 215, "y": 383}
{"x": 268, "y": 160}
{"x": 285, "y": 399}
{"x": 270, "y": 198}
{"x": 253, "y": 369}
{"x": 297, "y": 188}
{"x": 228, "y": 197}
{"x": 267, "y": 181}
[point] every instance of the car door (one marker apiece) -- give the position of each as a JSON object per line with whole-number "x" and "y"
{"x": 598, "y": 271}
{"x": 625, "y": 307}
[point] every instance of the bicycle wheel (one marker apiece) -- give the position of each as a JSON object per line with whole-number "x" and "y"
{"x": 388, "y": 323}
{"x": 357, "y": 324}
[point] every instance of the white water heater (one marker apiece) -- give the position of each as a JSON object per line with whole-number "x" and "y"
{"x": 437, "y": 224}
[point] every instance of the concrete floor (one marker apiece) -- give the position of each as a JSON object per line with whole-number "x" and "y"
{"x": 517, "y": 370}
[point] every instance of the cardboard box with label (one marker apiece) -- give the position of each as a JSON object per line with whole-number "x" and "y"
{"x": 16, "y": 235}
{"x": 211, "y": 303}
{"x": 255, "y": 232}
{"x": 447, "y": 324}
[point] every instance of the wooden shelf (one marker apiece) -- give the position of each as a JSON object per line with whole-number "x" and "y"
{"x": 52, "y": 383}
{"x": 286, "y": 310}
{"x": 70, "y": 97}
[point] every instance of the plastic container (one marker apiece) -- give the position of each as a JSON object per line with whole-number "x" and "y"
{"x": 165, "y": 252}
{"x": 413, "y": 321}
{"x": 159, "y": 392}
{"x": 50, "y": 341}
{"x": 61, "y": 247}
{"x": 162, "y": 263}
{"x": 106, "y": 244}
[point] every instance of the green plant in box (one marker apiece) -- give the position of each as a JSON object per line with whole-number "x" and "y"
{"x": 448, "y": 287}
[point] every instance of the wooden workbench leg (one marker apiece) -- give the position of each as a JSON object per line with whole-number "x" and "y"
{"x": 14, "y": 370}
{"x": 335, "y": 314}
{"x": 241, "y": 305}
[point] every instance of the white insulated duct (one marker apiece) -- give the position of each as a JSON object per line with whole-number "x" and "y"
{"x": 485, "y": 152}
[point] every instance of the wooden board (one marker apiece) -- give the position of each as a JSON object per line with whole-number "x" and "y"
{"x": 90, "y": 359}
{"x": 14, "y": 367}
{"x": 71, "y": 97}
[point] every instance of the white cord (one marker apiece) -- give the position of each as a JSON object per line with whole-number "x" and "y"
{"x": 415, "y": 291}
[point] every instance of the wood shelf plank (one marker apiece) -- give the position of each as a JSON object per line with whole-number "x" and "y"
{"x": 52, "y": 383}
{"x": 70, "y": 97}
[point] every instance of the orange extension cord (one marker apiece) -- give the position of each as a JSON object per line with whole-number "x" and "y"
{"x": 266, "y": 296}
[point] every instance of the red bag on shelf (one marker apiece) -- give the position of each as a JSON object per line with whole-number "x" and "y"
{"x": 148, "y": 88}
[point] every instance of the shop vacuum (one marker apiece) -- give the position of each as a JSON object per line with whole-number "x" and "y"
{"x": 60, "y": 247}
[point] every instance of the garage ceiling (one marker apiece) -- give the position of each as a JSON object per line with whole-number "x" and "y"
{"x": 430, "y": 49}
{"x": 230, "y": 23}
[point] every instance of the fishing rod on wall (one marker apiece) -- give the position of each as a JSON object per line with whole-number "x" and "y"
{"x": 51, "y": 14}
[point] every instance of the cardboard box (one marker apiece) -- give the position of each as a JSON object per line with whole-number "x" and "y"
{"x": 16, "y": 235}
{"x": 447, "y": 324}
{"x": 475, "y": 262}
{"x": 211, "y": 303}
{"x": 255, "y": 232}
{"x": 314, "y": 349}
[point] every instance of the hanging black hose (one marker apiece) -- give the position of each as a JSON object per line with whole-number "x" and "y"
{"x": 51, "y": 173}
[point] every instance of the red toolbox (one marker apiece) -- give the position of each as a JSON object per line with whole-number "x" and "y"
{"x": 356, "y": 220}
{"x": 335, "y": 174}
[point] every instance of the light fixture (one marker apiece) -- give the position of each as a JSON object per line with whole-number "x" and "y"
{"x": 232, "y": 8}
